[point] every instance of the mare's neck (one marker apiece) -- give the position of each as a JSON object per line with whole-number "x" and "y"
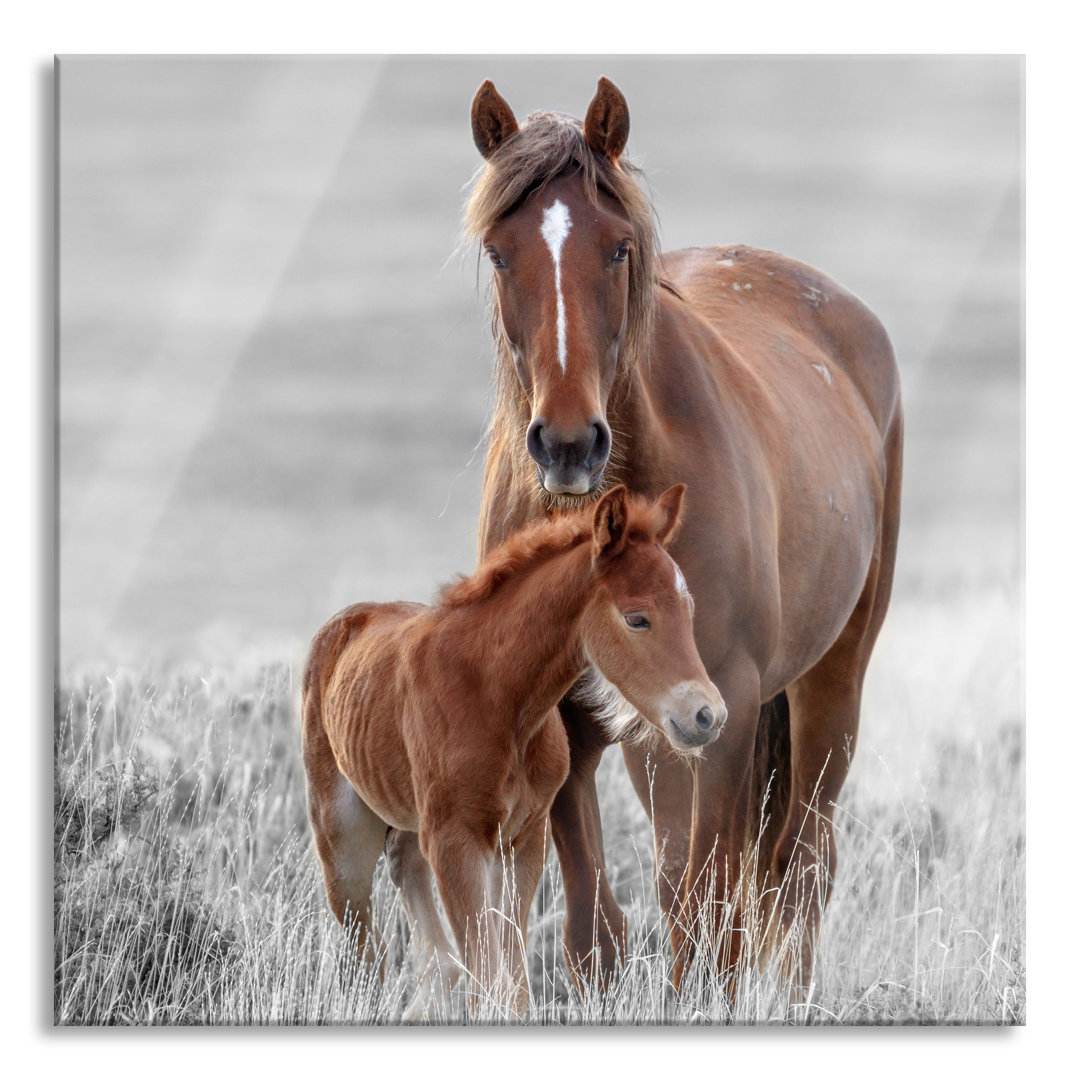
{"x": 671, "y": 390}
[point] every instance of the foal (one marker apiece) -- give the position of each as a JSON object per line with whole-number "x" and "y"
{"x": 433, "y": 732}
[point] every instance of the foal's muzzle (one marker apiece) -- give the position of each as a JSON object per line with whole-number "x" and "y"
{"x": 696, "y": 717}
{"x": 569, "y": 463}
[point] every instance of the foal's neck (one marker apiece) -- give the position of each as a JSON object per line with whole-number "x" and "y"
{"x": 531, "y": 631}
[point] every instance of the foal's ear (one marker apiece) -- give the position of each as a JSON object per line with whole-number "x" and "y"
{"x": 492, "y": 119}
{"x": 669, "y": 507}
{"x": 609, "y": 524}
{"x": 607, "y": 123}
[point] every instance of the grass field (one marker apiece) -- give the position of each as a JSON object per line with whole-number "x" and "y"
{"x": 187, "y": 890}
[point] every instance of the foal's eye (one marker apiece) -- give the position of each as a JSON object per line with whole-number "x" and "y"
{"x": 637, "y": 621}
{"x": 620, "y": 255}
{"x": 496, "y": 259}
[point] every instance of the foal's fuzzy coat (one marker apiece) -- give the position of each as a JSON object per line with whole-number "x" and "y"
{"x": 432, "y": 732}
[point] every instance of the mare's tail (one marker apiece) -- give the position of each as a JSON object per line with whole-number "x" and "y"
{"x": 770, "y": 787}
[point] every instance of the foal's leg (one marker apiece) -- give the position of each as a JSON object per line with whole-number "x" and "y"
{"x": 410, "y": 872}
{"x": 594, "y": 931}
{"x": 349, "y": 838}
{"x": 527, "y": 864}
{"x": 467, "y": 871}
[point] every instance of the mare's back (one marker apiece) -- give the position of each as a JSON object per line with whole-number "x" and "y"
{"x": 772, "y": 308}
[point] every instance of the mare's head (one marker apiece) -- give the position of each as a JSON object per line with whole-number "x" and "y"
{"x": 572, "y": 240}
{"x": 638, "y": 631}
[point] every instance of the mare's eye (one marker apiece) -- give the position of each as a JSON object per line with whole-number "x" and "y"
{"x": 620, "y": 255}
{"x": 637, "y": 621}
{"x": 496, "y": 259}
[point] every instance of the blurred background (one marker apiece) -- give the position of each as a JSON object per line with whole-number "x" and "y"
{"x": 274, "y": 363}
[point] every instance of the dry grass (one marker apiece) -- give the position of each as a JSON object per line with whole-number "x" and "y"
{"x": 187, "y": 892}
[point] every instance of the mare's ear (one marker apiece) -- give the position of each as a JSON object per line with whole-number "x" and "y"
{"x": 607, "y": 123}
{"x": 609, "y": 524}
{"x": 492, "y": 119}
{"x": 669, "y": 506}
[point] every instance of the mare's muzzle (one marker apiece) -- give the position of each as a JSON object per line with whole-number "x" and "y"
{"x": 569, "y": 463}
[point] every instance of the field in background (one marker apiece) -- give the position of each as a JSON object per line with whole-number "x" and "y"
{"x": 272, "y": 382}
{"x": 274, "y": 371}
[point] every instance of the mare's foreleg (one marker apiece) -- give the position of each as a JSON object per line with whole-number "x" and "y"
{"x": 698, "y": 828}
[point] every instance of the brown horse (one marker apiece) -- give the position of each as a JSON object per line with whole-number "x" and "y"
{"x": 433, "y": 731}
{"x": 773, "y": 392}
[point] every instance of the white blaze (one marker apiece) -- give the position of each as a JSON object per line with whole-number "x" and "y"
{"x": 680, "y": 582}
{"x": 554, "y": 230}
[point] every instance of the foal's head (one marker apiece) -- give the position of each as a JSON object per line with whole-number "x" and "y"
{"x": 572, "y": 239}
{"x": 638, "y": 631}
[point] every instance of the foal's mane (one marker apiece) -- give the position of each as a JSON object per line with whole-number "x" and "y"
{"x": 525, "y": 550}
{"x": 535, "y": 544}
{"x": 549, "y": 145}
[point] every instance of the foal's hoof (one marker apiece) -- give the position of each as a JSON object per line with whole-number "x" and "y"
{"x": 431, "y": 1003}
{"x": 418, "y": 1011}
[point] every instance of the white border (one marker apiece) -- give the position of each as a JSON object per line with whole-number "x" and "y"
{"x": 34, "y": 32}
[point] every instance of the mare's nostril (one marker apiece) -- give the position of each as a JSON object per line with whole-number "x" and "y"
{"x": 704, "y": 718}
{"x": 601, "y": 445}
{"x": 534, "y": 443}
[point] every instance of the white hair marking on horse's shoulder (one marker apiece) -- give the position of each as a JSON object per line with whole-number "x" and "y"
{"x": 604, "y": 700}
{"x": 622, "y": 722}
